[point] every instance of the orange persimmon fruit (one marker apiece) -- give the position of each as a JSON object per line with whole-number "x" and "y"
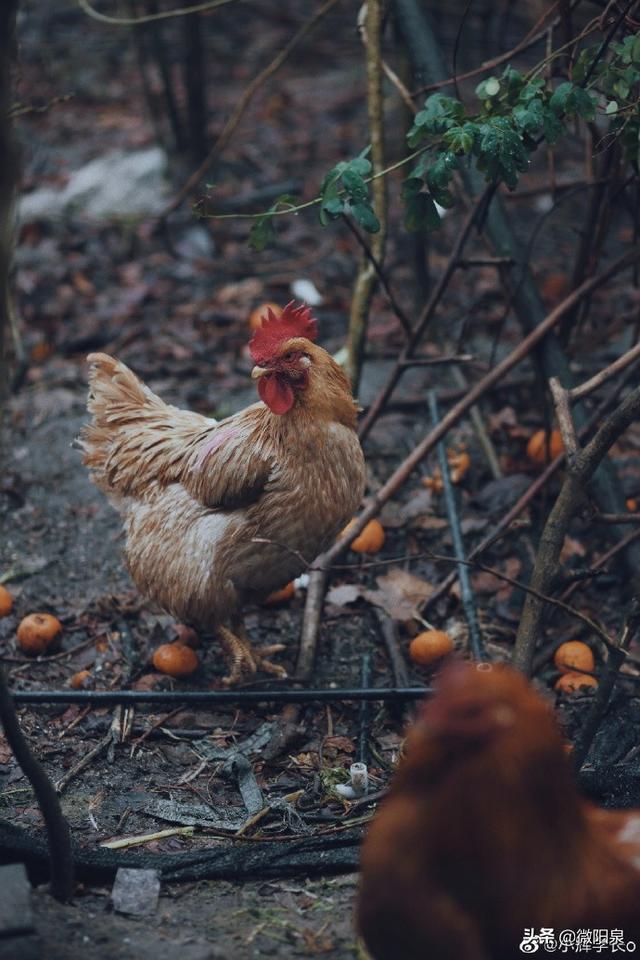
{"x": 631, "y": 504}
{"x": 430, "y": 646}
{"x": 370, "y": 540}
{"x": 574, "y": 657}
{"x": 176, "y": 659}
{"x": 573, "y": 682}
{"x": 538, "y": 448}
{"x": 6, "y": 602}
{"x": 279, "y": 596}
{"x": 81, "y": 680}
{"x": 256, "y": 316}
{"x": 186, "y": 635}
{"x": 38, "y": 632}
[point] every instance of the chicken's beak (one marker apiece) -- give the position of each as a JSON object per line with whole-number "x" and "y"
{"x": 258, "y": 372}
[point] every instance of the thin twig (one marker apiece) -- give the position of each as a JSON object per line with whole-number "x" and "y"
{"x": 604, "y": 559}
{"x": 584, "y": 389}
{"x": 382, "y": 277}
{"x": 390, "y": 637}
{"x": 154, "y": 726}
{"x": 241, "y": 106}
{"x": 163, "y": 15}
{"x": 84, "y": 762}
{"x": 427, "y": 314}
{"x": 616, "y": 518}
{"x": 533, "y": 592}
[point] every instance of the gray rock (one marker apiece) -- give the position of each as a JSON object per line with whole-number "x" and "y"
{"x": 135, "y": 892}
{"x": 16, "y": 916}
{"x": 118, "y": 184}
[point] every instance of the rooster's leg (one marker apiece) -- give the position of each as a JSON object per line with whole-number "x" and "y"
{"x": 239, "y": 656}
{"x": 243, "y": 659}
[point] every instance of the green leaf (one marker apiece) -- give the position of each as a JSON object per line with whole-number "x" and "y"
{"x": 365, "y": 216}
{"x": 569, "y": 99}
{"x": 621, "y": 88}
{"x": 583, "y": 64}
{"x": 439, "y": 178}
{"x": 439, "y": 114}
{"x": 262, "y": 233}
{"x": 530, "y": 117}
{"x": 421, "y": 214}
{"x": 552, "y": 127}
{"x": 501, "y": 152}
{"x": 355, "y": 186}
{"x": 560, "y": 97}
{"x": 461, "y": 139}
{"x": 411, "y": 187}
{"x": 531, "y": 90}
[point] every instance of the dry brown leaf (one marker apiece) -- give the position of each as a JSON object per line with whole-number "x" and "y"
{"x": 399, "y": 593}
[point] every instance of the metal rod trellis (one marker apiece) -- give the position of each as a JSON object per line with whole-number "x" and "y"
{"x": 214, "y": 697}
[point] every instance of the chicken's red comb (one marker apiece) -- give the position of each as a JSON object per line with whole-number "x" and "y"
{"x": 292, "y": 322}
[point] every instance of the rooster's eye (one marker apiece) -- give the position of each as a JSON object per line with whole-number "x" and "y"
{"x": 288, "y": 356}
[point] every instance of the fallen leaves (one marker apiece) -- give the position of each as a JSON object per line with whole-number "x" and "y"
{"x": 399, "y": 593}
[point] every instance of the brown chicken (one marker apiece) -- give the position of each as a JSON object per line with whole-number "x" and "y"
{"x": 220, "y": 514}
{"x": 484, "y": 836}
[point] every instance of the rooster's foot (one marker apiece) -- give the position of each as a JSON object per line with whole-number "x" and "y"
{"x": 244, "y": 661}
{"x": 273, "y": 668}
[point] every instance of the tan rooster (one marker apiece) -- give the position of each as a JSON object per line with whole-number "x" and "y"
{"x": 220, "y": 514}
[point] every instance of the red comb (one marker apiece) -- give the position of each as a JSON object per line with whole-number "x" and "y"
{"x": 292, "y": 322}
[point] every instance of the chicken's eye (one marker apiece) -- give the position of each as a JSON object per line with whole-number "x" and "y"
{"x": 289, "y": 355}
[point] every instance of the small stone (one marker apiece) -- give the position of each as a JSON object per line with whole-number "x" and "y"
{"x": 16, "y": 916}
{"x": 135, "y": 891}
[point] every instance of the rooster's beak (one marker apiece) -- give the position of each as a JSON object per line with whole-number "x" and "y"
{"x": 258, "y": 372}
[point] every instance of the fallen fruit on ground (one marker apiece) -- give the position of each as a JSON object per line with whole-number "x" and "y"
{"x": 539, "y": 450}
{"x": 81, "y": 680}
{"x": 574, "y": 657}
{"x": 38, "y": 633}
{"x": 256, "y": 316}
{"x": 6, "y": 602}
{"x": 176, "y": 659}
{"x": 370, "y": 540}
{"x": 459, "y": 462}
{"x": 574, "y": 682}
{"x": 186, "y": 636}
{"x": 430, "y": 646}
{"x": 279, "y": 596}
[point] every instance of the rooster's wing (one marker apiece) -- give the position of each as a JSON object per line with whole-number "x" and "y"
{"x": 137, "y": 443}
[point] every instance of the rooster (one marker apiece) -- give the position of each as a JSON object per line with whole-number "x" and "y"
{"x": 484, "y": 835}
{"x": 220, "y": 514}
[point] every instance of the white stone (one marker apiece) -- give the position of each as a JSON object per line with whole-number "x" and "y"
{"x": 117, "y": 184}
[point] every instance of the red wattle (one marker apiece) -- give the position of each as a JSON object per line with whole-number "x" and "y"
{"x": 276, "y": 393}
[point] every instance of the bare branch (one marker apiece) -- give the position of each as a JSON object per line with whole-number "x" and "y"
{"x": 565, "y": 420}
{"x": 584, "y": 389}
